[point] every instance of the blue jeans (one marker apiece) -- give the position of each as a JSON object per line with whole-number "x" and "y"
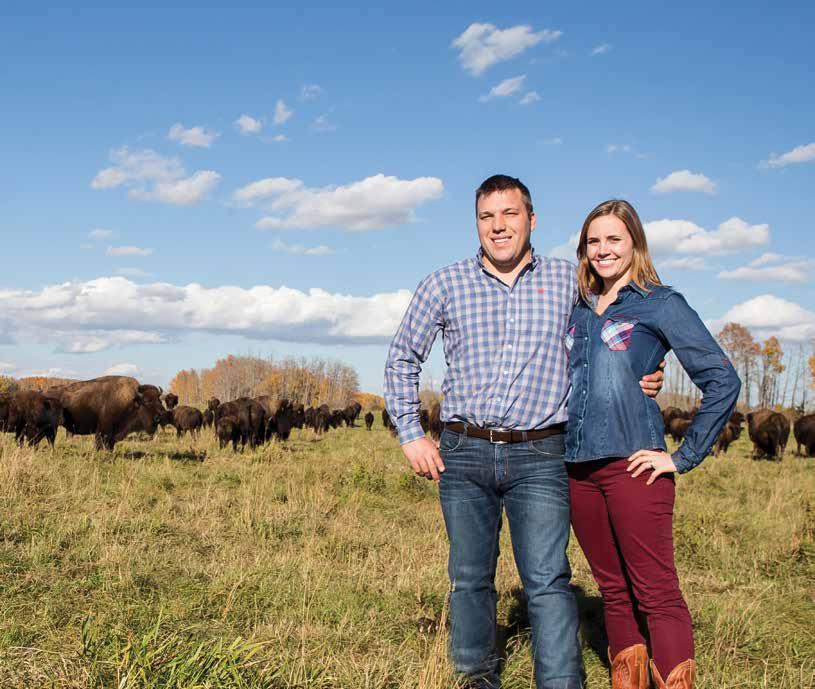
{"x": 529, "y": 480}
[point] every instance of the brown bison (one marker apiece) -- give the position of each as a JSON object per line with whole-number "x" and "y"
{"x": 109, "y": 408}
{"x": 213, "y": 403}
{"x": 435, "y": 422}
{"x": 31, "y": 416}
{"x": 184, "y": 419}
{"x": 247, "y": 416}
{"x": 769, "y": 432}
{"x": 322, "y": 421}
{"x": 170, "y": 401}
{"x": 804, "y": 432}
{"x": 369, "y": 420}
{"x": 678, "y": 427}
{"x": 387, "y": 423}
{"x": 729, "y": 434}
{"x": 671, "y": 413}
{"x": 208, "y": 418}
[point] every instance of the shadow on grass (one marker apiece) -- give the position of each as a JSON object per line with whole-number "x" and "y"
{"x": 184, "y": 456}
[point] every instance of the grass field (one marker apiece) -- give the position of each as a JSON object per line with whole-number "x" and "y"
{"x": 322, "y": 563}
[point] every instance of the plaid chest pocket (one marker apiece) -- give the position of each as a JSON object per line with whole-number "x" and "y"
{"x": 616, "y": 333}
{"x": 568, "y": 338}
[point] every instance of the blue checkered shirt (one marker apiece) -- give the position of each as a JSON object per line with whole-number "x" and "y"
{"x": 504, "y": 346}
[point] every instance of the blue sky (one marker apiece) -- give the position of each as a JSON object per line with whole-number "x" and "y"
{"x": 133, "y": 195}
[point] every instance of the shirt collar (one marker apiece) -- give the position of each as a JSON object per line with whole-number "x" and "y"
{"x": 479, "y": 263}
{"x": 636, "y": 288}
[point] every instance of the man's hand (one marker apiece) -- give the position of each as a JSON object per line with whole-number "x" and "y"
{"x": 652, "y": 383}
{"x": 424, "y": 457}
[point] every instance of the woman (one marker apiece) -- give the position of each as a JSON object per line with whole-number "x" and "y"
{"x": 621, "y": 479}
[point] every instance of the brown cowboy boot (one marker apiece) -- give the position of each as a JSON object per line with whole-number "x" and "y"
{"x": 681, "y": 677}
{"x": 629, "y": 668}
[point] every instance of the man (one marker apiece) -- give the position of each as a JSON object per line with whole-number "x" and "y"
{"x": 503, "y": 315}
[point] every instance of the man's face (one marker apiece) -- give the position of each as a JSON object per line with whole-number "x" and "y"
{"x": 504, "y": 227}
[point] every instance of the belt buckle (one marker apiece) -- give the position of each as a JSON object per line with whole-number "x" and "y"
{"x": 497, "y": 442}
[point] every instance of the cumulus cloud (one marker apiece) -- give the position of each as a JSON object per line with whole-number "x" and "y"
{"x": 246, "y": 124}
{"x": 92, "y": 316}
{"x": 530, "y": 97}
{"x": 153, "y": 177}
{"x": 369, "y": 204}
{"x": 554, "y": 141}
{"x": 568, "y": 249}
{"x": 194, "y": 136}
{"x": 100, "y": 234}
{"x": 323, "y": 124}
{"x": 310, "y": 91}
{"x": 601, "y": 49}
{"x": 772, "y": 267}
{"x": 6, "y": 366}
{"x": 506, "y": 88}
{"x": 282, "y": 113}
{"x": 127, "y": 251}
{"x": 280, "y": 137}
{"x": 123, "y": 370}
{"x": 483, "y": 45}
{"x": 767, "y": 315}
{"x": 667, "y": 237}
{"x": 799, "y": 154}
{"x": 300, "y": 250}
{"x": 684, "y": 180}
{"x": 133, "y": 272}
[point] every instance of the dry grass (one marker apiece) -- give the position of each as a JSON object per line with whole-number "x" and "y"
{"x": 321, "y": 563}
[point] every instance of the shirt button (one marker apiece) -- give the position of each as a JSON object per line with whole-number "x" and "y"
{"x": 584, "y": 392}
{"x": 509, "y": 346}
{"x": 506, "y": 373}
{"x": 511, "y": 320}
{"x": 585, "y": 365}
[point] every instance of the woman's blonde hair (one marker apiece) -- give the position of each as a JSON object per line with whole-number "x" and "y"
{"x": 643, "y": 272}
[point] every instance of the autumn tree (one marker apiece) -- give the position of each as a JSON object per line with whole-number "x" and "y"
{"x": 742, "y": 349}
{"x": 8, "y": 384}
{"x": 771, "y": 368}
{"x": 812, "y": 371}
{"x": 187, "y": 385}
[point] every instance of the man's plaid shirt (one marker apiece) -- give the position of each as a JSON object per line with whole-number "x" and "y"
{"x": 504, "y": 346}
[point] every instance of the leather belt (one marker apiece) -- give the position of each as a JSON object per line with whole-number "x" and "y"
{"x": 495, "y": 435}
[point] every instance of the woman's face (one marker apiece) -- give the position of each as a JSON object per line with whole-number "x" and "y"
{"x": 609, "y": 247}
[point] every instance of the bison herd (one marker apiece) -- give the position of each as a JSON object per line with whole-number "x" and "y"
{"x": 112, "y": 407}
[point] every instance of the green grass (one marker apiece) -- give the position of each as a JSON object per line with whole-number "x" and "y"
{"x": 322, "y": 563}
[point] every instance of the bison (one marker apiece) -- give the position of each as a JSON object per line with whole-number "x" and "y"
{"x": 369, "y": 420}
{"x": 32, "y": 416}
{"x": 249, "y": 417}
{"x": 184, "y": 419}
{"x": 170, "y": 401}
{"x": 769, "y": 432}
{"x": 729, "y": 434}
{"x": 435, "y": 421}
{"x": 804, "y": 432}
{"x": 208, "y": 418}
{"x": 678, "y": 427}
{"x": 109, "y": 408}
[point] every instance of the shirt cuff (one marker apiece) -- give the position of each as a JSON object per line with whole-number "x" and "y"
{"x": 684, "y": 460}
{"x": 411, "y": 432}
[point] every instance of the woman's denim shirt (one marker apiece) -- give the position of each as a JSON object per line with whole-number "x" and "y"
{"x": 609, "y": 415}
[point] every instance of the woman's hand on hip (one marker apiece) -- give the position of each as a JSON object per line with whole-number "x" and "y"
{"x": 658, "y": 461}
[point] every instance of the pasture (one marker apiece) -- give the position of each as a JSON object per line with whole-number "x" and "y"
{"x": 322, "y": 563}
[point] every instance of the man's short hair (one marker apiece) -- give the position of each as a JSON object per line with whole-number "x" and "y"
{"x": 504, "y": 183}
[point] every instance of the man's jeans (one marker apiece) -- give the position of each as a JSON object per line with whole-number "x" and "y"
{"x": 528, "y": 479}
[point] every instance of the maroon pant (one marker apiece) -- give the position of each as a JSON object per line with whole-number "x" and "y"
{"x": 625, "y": 529}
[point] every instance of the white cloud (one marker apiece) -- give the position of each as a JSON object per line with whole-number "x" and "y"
{"x": 618, "y": 148}
{"x": 300, "y": 250}
{"x": 322, "y": 124}
{"x": 601, "y": 49}
{"x": 123, "y": 370}
{"x": 153, "y": 177}
{"x": 280, "y": 137}
{"x": 310, "y": 91}
{"x": 772, "y": 267}
{"x": 767, "y": 315}
{"x": 99, "y": 234}
{"x": 127, "y": 251}
{"x": 667, "y": 237}
{"x": 684, "y": 263}
{"x": 530, "y": 97}
{"x": 282, "y": 114}
{"x": 182, "y": 192}
{"x": 84, "y": 317}
{"x": 194, "y": 136}
{"x": 567, "y": 250}
{"x": 684, "y": 180}
{"x": 506, "y": 88}
{"x": 5, "y": 366}
{"x": 372, "y": 203}
{"x": 554, "y": 141}
{"x": 483, "y": 45}
{"x": 247, "y": 124}
{"x": 799, "y": 154}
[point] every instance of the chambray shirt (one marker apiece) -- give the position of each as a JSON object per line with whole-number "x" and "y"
{"x": 609, "y": 415}
{"x": 506, "y": 364}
